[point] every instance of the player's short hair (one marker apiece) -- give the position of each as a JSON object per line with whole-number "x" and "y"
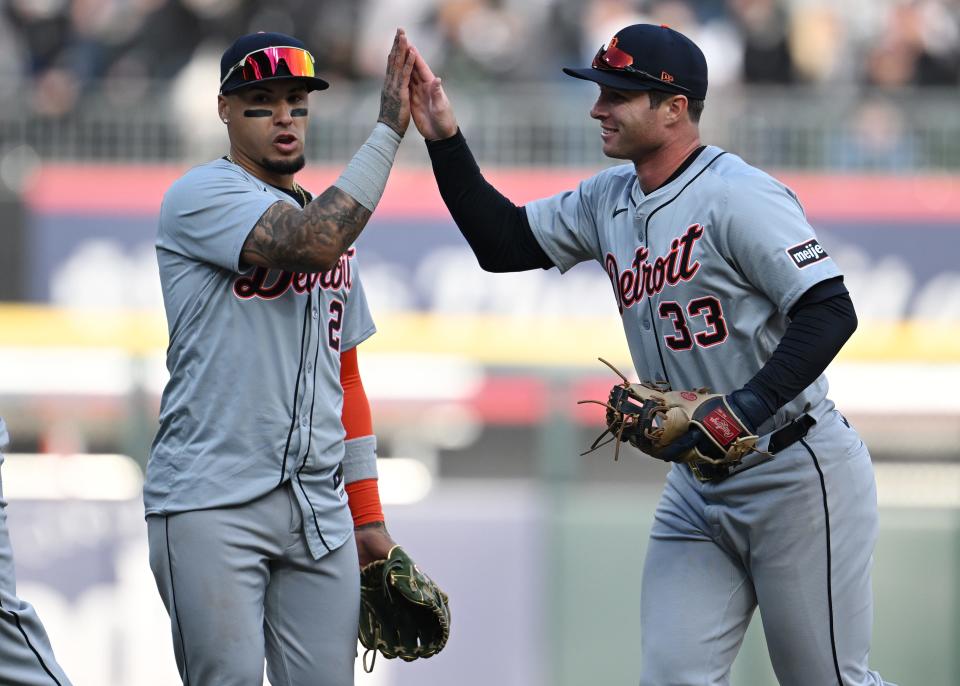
{"x": 694, "y": 107}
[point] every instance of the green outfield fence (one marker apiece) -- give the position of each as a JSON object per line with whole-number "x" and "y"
{"x": 599, "y": 544}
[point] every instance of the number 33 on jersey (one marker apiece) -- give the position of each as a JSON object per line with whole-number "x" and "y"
{"x": 703, "y": 269}
{"x": 645, "y": 279}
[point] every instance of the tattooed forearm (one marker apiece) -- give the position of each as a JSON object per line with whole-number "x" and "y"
{"x": 390, "y": 111}
{"x": 308, "y": 241}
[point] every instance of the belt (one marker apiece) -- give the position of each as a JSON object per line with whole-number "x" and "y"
{"x": 780, "y": 439}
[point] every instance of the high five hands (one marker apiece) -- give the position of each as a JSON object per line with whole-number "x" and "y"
{"x": 410, "y": 88}
{"x": 431, "y": 110}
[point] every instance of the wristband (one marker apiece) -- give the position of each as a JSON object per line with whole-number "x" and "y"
{"x": 360, "y": 459}
{"x": 365, "y": 176}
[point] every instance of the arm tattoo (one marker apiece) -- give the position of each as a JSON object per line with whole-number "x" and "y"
{"x": 390, "y": 110}
{"x": 308, "y": 241}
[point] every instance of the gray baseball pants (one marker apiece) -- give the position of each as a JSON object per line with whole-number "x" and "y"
{"x": 26, "y": 658}
{"x": 793, "y": 536}
{"x": 241, "y": 587}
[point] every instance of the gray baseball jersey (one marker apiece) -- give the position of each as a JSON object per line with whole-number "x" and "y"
{"x": 703, "y": 278}
{"x": 704, "y": 271}
{"x": 26, "y": 658}
{"x": 254, "y": 397}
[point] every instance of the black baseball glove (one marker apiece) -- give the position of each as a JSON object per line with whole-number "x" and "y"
{"x": 403, "y": 613}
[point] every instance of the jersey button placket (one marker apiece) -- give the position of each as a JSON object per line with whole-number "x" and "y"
{"x": 308, "y": 388}
{"x": 308, "y": 381}
{"x": 305, "y": 428}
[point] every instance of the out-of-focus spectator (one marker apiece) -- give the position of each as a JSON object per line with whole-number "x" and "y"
{"x": 44, "y": 27}
{"x": 715, "y": 34}
{"x": 818, "y": 46}
{"x": 496, "y": 40}
{"x": 45, "y": 30}
{"x": 12, "y": 55}
{"x": 63, "y": 48}
{"x": 764, "y": 25}
{"x": 876, "y": 139}
{"x": 939, "y": 60}
{"x": 920, "y": 45}
{"x": 54, "y": 92}
{"x": 482, "y": 39}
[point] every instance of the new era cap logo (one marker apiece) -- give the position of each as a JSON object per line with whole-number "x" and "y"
{"x": 807, "y": 253}
{"x": 665, "y": 77}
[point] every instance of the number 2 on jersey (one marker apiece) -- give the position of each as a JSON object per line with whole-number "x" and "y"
{"x": 335, "y": 323}
{"x": 711, "y": 311}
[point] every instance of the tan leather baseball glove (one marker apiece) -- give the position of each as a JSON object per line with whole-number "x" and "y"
{"x": 676, "y": 426}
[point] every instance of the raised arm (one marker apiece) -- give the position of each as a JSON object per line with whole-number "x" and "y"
{"x": 313, "y": 239}
{"x": 496, "y": 229}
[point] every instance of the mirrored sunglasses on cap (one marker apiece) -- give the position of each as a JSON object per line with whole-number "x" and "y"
{"x": 265, "y": 63}
{"x": 612, "y": 58}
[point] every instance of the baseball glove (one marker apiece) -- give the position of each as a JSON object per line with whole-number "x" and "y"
{"x": 403, "y": 613}
{"x": 652, "y": 418}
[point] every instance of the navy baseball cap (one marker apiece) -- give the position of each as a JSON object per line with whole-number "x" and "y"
{"x": 260, "y": 57}
{"x": 645, "y": 57}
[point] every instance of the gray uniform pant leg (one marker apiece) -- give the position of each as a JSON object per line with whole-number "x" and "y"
{"x": 813, "y": 573}
{"x": 241, "y": 587}
{"x": 26, "y": 658}
{"x": 798, "y": 532}
{"x": 696, "y": 599}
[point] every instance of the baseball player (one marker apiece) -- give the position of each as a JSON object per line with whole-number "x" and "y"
{"x": 26, "y": 658}
{"x": 720, "y": 283}
{"x": 261, "y": 494}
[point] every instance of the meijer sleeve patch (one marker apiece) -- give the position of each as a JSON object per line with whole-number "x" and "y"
{"x": 807, "y": 253}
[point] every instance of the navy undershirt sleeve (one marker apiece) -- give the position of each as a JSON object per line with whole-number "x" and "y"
{"x": 820, "y": 323}
{"x": 500, "y": 236}
{"x": 497, "y": 230}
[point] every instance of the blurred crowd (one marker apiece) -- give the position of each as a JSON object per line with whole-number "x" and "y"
{"x": 54, "y": 49}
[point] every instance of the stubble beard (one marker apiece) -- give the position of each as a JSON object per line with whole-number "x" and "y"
{"x": 284, "y": 167}
{"x": 618, "y": 148}
{"x": 614, "y": 154}
{"x": 634, "y": 151}
{"x": 616, "y": 151}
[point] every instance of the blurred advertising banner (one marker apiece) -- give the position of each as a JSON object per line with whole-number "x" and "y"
{"x": 91, "y": 233}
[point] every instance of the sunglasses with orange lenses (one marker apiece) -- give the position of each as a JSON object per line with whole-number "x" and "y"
{"x": 611, "y": 58}
{"x": 266, "y": 63}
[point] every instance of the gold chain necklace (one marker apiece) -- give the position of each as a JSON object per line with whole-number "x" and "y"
{"x": 296, "y": 186}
